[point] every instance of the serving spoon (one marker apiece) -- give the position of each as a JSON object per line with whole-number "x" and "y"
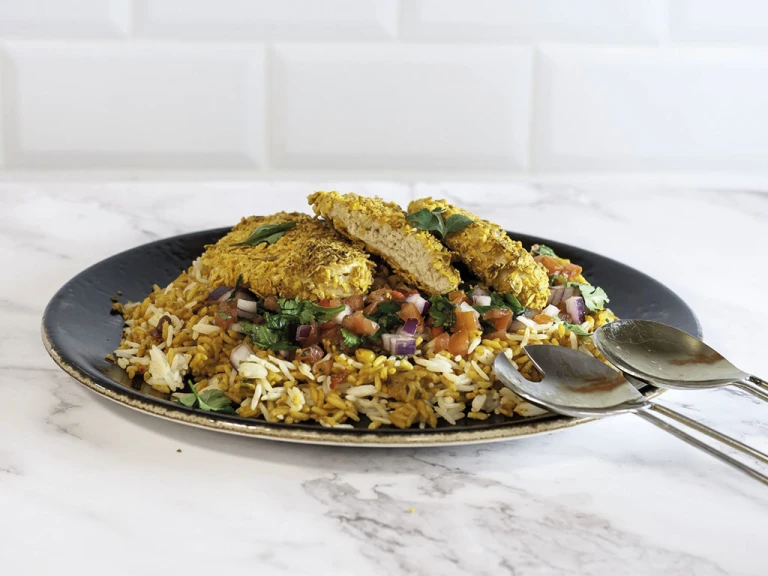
{"x": 670, "y": 358}
{"x": 578, "y": 385}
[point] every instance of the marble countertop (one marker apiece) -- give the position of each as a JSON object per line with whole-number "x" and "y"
{"x": 87, "y": 486}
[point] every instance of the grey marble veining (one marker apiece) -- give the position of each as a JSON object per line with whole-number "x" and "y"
{"x": 88, "y": 487}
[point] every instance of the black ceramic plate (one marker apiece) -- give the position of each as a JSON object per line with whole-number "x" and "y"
{"x": 79, "y": 331}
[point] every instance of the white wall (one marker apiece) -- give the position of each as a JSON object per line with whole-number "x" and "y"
{"x": 383, "y": 86}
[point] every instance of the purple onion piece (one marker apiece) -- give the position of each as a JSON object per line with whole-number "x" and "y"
{"x": 247, "y": 305}
{"x": 574, "y": 306}
{"x": 238, "y": 354}
{"x": 246, "y": 315}
{"x": 219, "y": 294}
{"x": 245, "y": 295}
{"x": 410, "y": 326}
{"x": 570, "y": 292}
{"x": 386, "y": 341}
{"x": 556, "y": 295}
{"x": 418, "y": 301}
{"x": 303, "y": 332}
{"x": 405, "y": 346}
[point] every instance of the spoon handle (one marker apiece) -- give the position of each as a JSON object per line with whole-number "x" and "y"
{"x": 685, "y": 437}
{"x": 711, "y": 432}
{"x": 755, "y": 386}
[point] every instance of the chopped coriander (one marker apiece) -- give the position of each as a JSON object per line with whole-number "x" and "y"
{"x": 514, "y": 304}
{"x": 542, "y": 250}
{"x": 576, "y": 329}
{"x": 269, "y": 233}
{"x": 268, "y": 337}
{"x": 351, "y": 340}
{"x": 432, "y": 221}
{"x": 442, "y": 311}
{"x": 507, "y": 302}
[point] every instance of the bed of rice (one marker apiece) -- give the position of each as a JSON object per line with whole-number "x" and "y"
{"x": 379, "y": 389}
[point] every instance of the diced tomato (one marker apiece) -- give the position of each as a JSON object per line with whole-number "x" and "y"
{"x": 498, "y": 317}
{"x": 397, "y": 295}
{"x": 359, "y": 324}
{"x": 310, "y": 354}
{"x": 270, "y": 303}
{"x": 465, "y": 320}
{"x": 498, "y": 335}
{"x": 334, "y": 302}
{"x": 330, "y": 333}
{"x": 437, "y": 330}
{"x": 457, "y": 297}
{"x": 441, "y": 341}
{"x": 224, "y": 318}
{"x": 559, "y": 266}
{"x": 324, "y": 302}
{"x": 336, "y": 379}
{"x": 408, "y": 310}
{"x": 323, "y": 368}
{"x": 355, "y": 302}
{"x": 458, "y": 344}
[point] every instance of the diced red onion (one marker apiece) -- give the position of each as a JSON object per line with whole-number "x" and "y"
{"x": 303, "y": 332}
{"x": 236, "y": 327}
{"x": 569, "y": 292}
{"x": 556, "y": 295}
{"x": 575, "y": 308}
{"x": 238, "y": 354}
{"x": 410, "y": 326}
{"x": 400, "y": 344}
{"x": 246, "y": 295}
{"x": 481, "y": 300}
{"x": 246, "y": 315}
{"x": 405, "y": 347}
{"x": 420, "y": 303}
{"x": 340, "y": 316}
{"x": 551, "y": 311}
{"x": 220, "y": 294}
{"x": 247, "y": 305}
{"x": 515, "y": 326}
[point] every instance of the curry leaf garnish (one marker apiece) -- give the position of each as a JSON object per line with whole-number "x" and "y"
{"x": 211, "y": 400}
{"x": 576, "y": 329}
{"x": 432, "y": 221}
{"x": 269, "y": 233}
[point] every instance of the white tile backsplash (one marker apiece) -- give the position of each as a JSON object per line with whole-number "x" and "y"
{"x": 386, "y": 88}
{"x": 71, "y": 18}
{"x": 616, "y": 21}
{"x": 402, "y": 107}
{"x": 303, "y": 20}
{"x": 644, "y": 109}
{"x": 107, "y": 105}
{"x": 719, "y": 20}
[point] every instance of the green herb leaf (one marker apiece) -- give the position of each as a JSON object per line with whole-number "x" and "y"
{"x": 432, "y": 221}
{"x": 386, "y": 317}
{"x": 212, "y": 400}
{"x": 442, "y": 311}
{"x": 456, "y": 223}
{"x": 238, "y": 283}
{"x": 507, "y": 302}
{"x": 576, "y": 329}
{"x": 266, "y": 337}
{"x": 514, "y": 304}
{"x": 351, "y": 340}
{"x": 321, "y": 314}
{"x": 269, "y": 233}
{"x": 595, "y": 297}
{"x": 542, "y": 250}
{"x": 224, "y": 315}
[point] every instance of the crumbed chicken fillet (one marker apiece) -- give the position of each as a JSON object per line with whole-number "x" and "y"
{"x": 502, "y": 263}
{"x": 417, "y": 256}
{"x": 310, "y": 261}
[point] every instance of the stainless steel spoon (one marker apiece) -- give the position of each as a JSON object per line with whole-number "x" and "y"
{"x": 670, "y": 357}
{"x": 577, "y": 384}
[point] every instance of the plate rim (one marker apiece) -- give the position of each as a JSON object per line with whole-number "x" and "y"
{"x": 253, "y": 428}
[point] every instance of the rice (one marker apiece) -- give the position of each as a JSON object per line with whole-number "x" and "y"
{"x": 377, "y": 389}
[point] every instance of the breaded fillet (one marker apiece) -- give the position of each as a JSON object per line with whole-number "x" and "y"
{"x": 417, "y": 256}
{"x": 310, "y": 261}
{"x": 502, "y": 263}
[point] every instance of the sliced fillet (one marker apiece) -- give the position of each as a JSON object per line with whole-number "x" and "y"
{"x": 310, "y": 261}
{"x": 502, "y": 263}
{"x": 415, "y": 255}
